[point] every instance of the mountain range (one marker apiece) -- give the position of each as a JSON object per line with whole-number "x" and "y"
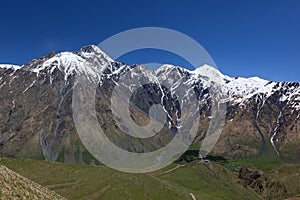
{"x": 262, "y": 117}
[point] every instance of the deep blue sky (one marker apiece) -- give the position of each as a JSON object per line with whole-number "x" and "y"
{"x": 244, "y": 37}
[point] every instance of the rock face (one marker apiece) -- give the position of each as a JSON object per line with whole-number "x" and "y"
{"x": 36, "y": 108}
{"x": 15, "y": 186}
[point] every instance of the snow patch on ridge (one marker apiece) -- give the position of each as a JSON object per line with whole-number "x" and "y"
{"x": 66, "y": 62}
{"x": 237, "y": 89}
{"x": 211, "y": 73}
{"x": 90, "y": 61}
{"x": 10, "y": 66}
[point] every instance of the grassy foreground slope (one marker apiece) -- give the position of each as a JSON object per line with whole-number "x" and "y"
{"x": 197, "y": 180}
{"x": 209, "y": 181}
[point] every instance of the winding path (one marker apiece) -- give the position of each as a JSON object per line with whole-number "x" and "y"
{"x": 194, "y": 198}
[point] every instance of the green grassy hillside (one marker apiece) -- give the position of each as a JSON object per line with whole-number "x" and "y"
{"x": 194, "y": 180}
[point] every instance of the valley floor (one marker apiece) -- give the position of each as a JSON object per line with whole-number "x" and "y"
{"x": 196, "y": 180}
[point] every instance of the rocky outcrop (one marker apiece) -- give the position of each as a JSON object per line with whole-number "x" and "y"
{"x": 262, "y": 185}
{"x": 15, "y": 186}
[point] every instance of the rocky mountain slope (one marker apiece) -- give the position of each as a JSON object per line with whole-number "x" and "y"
{"x": 262, "y": 117}
{"x": 15, "y": 186}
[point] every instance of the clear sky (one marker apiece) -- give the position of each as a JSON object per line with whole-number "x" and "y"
{"x": 244, "y": 37}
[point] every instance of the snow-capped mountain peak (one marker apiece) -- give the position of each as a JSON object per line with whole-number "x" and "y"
{"x": 165, "y": 68}
{"x": 93, "y": 50}
{"x": 90, "y": 60}
{"x": 208, "y": 71}
{"x": 211, "y": 74}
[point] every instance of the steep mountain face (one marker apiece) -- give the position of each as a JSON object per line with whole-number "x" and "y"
{"x": 36, "y": 121}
